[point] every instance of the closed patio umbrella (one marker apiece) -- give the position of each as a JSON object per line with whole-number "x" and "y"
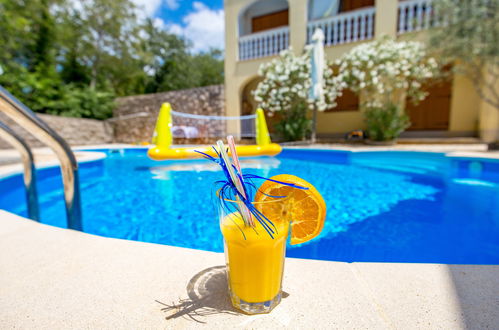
{"x": 316, "y": 74}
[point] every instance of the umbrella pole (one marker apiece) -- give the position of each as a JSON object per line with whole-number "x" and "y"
{"x": 314, "y": 126}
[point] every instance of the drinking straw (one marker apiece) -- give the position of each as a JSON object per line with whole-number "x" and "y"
{"x": 240, "y": 180}
{"x": 232, "y": 147}
{"x": 233, "y": 177}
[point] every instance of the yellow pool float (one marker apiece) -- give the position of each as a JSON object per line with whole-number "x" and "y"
{"x": 163, "y": 139}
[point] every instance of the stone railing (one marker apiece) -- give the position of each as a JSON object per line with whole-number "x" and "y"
{"x": 352, "y": 26}
{"x": 262, "y": 44}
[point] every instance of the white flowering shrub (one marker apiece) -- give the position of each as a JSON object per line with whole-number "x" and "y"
{"x": 285, "y": 89}
{"x": 286, "y": 82}
{"x": 383, "y": 73}
{"x": 381, "y": 68}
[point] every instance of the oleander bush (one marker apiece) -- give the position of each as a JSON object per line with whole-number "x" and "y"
{"x": 285, "y": 89}
{"x": 384, "y": 73}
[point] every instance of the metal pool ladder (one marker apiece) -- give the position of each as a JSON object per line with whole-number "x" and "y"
{"x": 29, "y": 169}
{"x": 26, "y": 118}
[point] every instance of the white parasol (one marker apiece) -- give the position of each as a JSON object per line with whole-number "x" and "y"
{"x": 317, "y": 73}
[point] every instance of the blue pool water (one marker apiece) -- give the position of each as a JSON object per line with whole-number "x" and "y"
{"x": 382, "y": 206}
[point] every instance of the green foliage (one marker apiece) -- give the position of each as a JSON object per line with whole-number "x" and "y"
{"x": 385, "y": 123}
{"x": 45, "y": 92}
{"x": 72, "y": 61}
{"x": 294, "y": 125}
{"x": 469, "y": 38}
{"x": 182, "y": 71}
{"x": 208, "y": 68}
{"x": 84, "y": 102}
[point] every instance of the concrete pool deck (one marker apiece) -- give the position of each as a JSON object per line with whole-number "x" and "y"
{"x": 55, "y": 278}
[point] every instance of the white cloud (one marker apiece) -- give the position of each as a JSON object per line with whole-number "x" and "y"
{"x": 172, "y": 4}
{"x": 159, "y": 23}
{"x": 175, "y": 29}
{"x": 204, "y": 27}
{"x": 148, "y": 7}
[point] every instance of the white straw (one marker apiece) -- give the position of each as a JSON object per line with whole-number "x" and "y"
{"x": 233, "y": 177}
{"x": 240, "y": 181}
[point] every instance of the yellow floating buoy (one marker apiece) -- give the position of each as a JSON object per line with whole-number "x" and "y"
{"x": 156, "y": 153}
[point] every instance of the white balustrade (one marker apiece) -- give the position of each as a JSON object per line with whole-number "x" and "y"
{"x": 261, "y": 44}
{"x": 356, "y": 25}
{"x": 344, "y": 28}
{"x": 415, "y": 15}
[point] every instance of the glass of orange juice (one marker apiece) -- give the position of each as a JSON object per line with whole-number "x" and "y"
{"x": 255, "y": 258}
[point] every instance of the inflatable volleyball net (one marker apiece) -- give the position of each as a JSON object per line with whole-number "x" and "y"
{"x": 173, "y": 127}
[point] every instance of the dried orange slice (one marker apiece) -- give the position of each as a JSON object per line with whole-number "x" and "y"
{"x": 305, "y": 209}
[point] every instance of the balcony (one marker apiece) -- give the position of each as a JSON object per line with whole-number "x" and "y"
{"x": 264, "y": 30}
{"x": 416, "y": 15}
{"x": 347, "y": 27}
{"x": 343, "y": 28}
{"x": 262, "y": 44}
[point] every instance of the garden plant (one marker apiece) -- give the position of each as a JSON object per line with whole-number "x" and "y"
{"x": 285, "y": 90}
{"x": 384, "y": 73}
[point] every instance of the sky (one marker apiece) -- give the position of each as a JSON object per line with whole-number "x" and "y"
{"x": 199, "y": 21}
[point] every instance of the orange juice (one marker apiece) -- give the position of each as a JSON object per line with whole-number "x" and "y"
{"x": 255, "y": 260}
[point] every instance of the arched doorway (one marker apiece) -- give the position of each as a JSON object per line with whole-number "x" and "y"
{"x": 249, "y": 105}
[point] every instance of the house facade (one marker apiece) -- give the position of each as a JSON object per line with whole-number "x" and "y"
{"x": 257, "y": 30}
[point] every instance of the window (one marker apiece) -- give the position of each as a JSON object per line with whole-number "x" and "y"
{"x": 269, "y": 21}
{"x": 322, "y": 8}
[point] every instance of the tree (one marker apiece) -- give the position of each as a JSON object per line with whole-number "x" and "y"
{"x": 72, "y": 57}
{"x": 28, "y": 31}
{"x": 73, "y": 65}
{"x": 469, "y": 38}
{"x": 172, "y": 70}
{"x": 285, "y": 90}
{"x": 110, "y": 37}
{"x": 183, "y": 70}
{"x": 26, "y": 36}
{"x": 44, "y": 31}
{"x": 209, "y": 67}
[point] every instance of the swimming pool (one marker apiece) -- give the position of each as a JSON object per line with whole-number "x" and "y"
{"x": 391, "y": 206}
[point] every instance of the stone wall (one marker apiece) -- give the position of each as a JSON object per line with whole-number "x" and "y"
{"x": 76, "y": 131}
{"x": 135, "y": 116}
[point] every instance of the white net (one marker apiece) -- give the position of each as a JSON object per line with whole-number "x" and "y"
{"x": 199, "y": 128}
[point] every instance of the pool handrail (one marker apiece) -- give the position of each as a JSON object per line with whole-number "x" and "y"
{"x": 27, "y": 119}
{"x": 29, "y": 177}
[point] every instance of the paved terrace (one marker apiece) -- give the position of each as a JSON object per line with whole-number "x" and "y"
{"x": 55, "y": 278}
